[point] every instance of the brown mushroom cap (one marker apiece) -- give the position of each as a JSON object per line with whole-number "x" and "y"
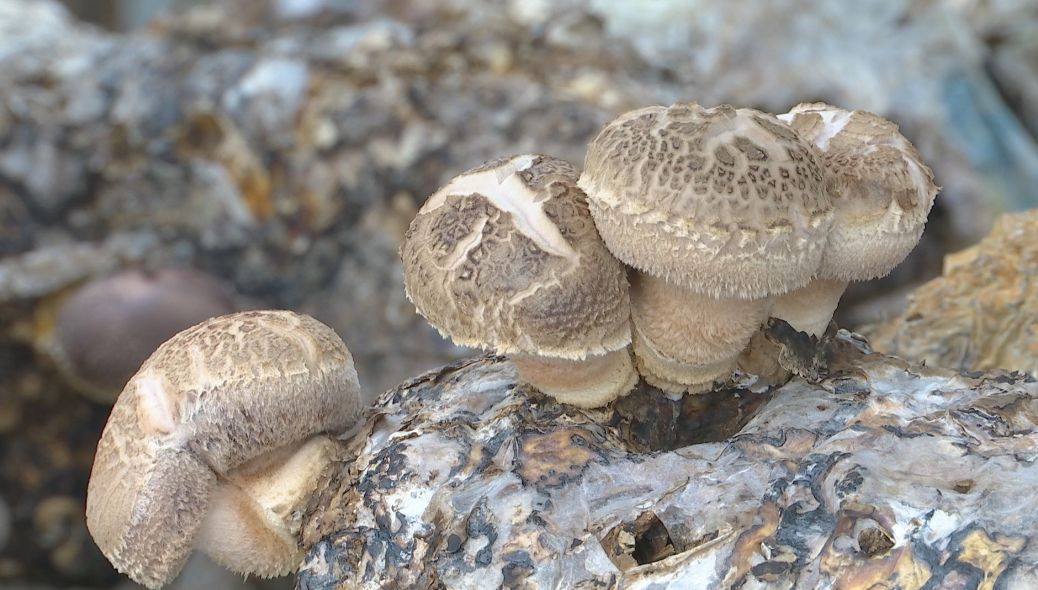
{"x": 208, "y": 400}
{"x": 108, "y": 327}
{"x": 881, "y": 189}
{"x": 506, "y": 257}
{"x": 723, "y": 201}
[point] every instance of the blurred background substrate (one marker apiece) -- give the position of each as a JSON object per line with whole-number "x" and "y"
{"x": 279, "y": 148}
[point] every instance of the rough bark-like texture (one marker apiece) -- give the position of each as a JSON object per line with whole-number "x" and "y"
{"x": 982, "y": 313}
{"x": 881, "y": 475}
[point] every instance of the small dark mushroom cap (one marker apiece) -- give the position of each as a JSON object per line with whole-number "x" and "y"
{"x": 506, "y": 257}
{"x": 726, "y": 202}
{"x": 108, "y": 327}
{"x": 881, "y": 189}
{"x": 208, "y": 400}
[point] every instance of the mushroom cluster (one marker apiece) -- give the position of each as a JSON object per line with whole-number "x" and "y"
{"x": 723, "y": 217}
{"x": 687, "y": 229}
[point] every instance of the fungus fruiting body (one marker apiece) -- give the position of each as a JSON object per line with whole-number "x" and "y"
{"x": 684, "y": 339}
{"x": 882, "y": 193}
{"x": 506, "y": 257}
{"x": 216, "y": 441}
{"x": 719, "y": 210}
{"x": 109, "y": 326}
{"x": 249, "y": 524}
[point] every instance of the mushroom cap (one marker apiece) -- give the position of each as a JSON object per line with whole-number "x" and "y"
{"x": 207, "y": 400}
{"x": 107, "y": 328}
{"x": 881, "y": 189}
{"x": 725, "y": 202}
{"x": 506, "y": 257}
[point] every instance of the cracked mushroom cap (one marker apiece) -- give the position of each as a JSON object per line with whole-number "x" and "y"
{"x": 881, "y": 189}
{"x": 725, "y": 202}
{"x": 506, "y": 257}
{"x": 210, "y": 399}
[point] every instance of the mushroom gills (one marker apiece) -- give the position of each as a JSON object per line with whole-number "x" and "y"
{"x": 685, "y": 341}
{"x": 587, "y": 383}
{"x": 810, "y": 308}
{"x": 249, "y": 527}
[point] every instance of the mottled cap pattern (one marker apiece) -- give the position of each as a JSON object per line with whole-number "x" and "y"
{"x": 881, "y": 189}
{"x": 506, "y": 257}
{"x": 725, "y": 202}
{"x": 209, "y": 399}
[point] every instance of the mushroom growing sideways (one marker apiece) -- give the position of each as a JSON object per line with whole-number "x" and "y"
{"x": 216, "y": 443}
{"x": 882, "y": 193}
{"x": 720, "y": 210}
{"x": 506, "y": 257}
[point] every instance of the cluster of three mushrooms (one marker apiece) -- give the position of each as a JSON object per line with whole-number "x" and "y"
{"x": 726, "y": 216}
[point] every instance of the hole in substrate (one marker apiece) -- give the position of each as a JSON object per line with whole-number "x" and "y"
{"x": 874, "y": 541}
{"x": 643, "y": 541}
{"x": 653, "y": 544}
{"x": 651, "y": 421}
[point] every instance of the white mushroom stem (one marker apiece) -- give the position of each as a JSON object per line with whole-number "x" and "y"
{"x": 676, "y": 377}
{"x": 810, "y": 308}
{"x": 686, "y": 341}
{"x": 589, "y": 383}
{"x": 255, "y": 513}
